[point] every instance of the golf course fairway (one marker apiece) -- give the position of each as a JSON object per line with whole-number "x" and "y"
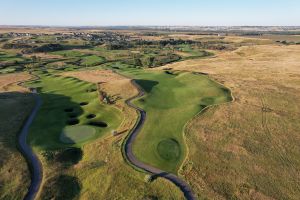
{"x": 171, "y": 99}
{"x": 71, "y": 113}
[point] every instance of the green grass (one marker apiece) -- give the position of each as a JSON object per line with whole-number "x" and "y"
{"x": 61, "y": 107}
{"x": 170, "y": 102}
{"x": 9, "y": 57}
{"x": 193, "y": 52}
{"x": 7, "y": 70}
{"x": 68, "y": 53}
{"x": 92, "y": 60}
{"x": 77, "y": 134}
{"x": 112, "y": 54}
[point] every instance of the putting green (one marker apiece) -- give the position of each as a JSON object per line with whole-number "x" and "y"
{"x": 77, "y": 134}
{"x": 169, "y": 149}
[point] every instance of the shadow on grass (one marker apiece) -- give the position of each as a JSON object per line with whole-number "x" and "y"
{"x": 62, "y": 187}
{"x": 147, "y": 85}
{"x": 12, "y": 118}
{"x": 57, "y": 112}
{"x": 51, "y": 115}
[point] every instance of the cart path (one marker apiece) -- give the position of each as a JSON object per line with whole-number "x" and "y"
{"x": 184, "y": 187}
{"x": 34, "y": 163}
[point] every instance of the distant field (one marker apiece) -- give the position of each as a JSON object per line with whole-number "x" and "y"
{"x": 290, "y": 38}
{"x": 9, "y": 82}
{"x": 92, "y": 60}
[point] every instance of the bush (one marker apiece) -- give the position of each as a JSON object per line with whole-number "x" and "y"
{"x": 148, "y": 178}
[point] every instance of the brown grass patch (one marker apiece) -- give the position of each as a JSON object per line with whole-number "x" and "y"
{"x": 249, "y": 148}
{"x": 8, "y": 82}
{"x": 95, "y": 76}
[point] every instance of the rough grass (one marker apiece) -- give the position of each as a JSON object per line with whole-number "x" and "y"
{"x": 15, "y": 107}
{"x": 170, "y": 102}
{"x": 8, "y": 82}
{"x": 14, "y": 173}
{"x": 248, "y": 149}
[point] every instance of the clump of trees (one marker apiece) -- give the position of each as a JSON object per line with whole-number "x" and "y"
{"x": 48, "y": 48}
{"x": 122, "y": 45}
{"x": 16, "y": 46}
{"x": 153, "y": 61}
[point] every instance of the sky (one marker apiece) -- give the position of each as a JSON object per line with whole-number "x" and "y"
{"x": 150, "y": 12}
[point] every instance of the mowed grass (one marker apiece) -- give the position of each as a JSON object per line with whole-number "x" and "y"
{"x": 67, "y": 102}
{"x": 92, "y": 60}
{"x": 171, "y": 100}
{"x": 77, "y": 134}
{"x": 85, "y": 59}
{"x": 192, "y": 53}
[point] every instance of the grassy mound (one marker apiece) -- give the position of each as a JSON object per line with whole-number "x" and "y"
{"x": 169, "y": 149}
{"x": 77, "y": 134}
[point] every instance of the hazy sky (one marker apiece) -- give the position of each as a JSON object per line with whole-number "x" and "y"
{"x": 149, "y": 12}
